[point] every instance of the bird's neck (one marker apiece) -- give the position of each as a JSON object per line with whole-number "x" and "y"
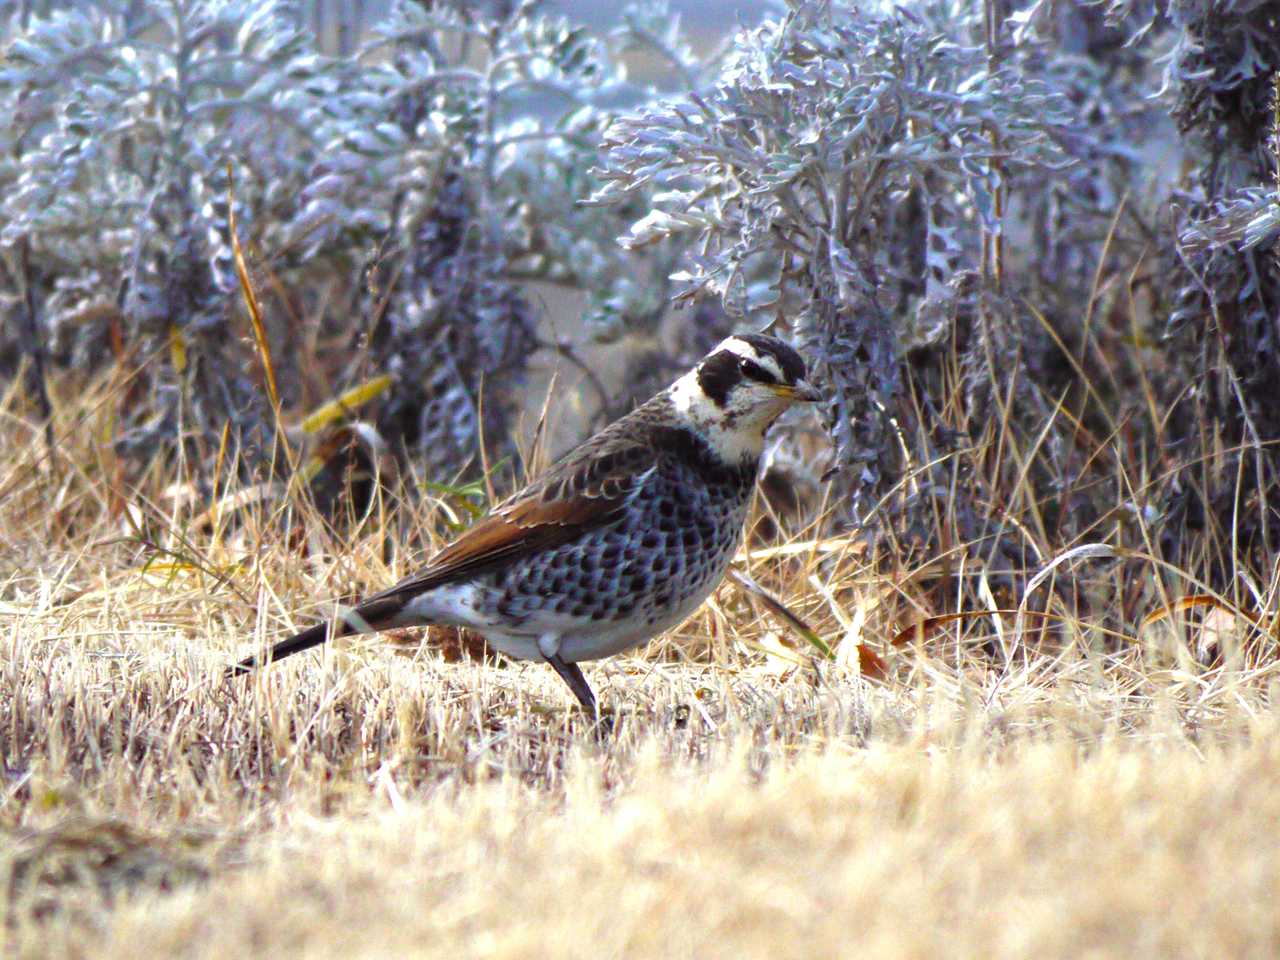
{"x": 733, "y": 437}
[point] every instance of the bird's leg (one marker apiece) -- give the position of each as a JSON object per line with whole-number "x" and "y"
{"x": 570, "y": 673}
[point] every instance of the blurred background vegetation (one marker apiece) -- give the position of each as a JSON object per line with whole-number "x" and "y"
{"x": 1028, "y": 247}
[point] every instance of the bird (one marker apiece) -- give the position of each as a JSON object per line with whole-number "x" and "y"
{"x": 621, "y": 538}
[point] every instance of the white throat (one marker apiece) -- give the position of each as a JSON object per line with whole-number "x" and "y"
{"x": 733, "y": 438}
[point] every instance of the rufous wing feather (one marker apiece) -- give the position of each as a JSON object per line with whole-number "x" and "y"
{"x": 577, "y": 495}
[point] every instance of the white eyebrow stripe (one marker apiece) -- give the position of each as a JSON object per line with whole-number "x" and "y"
{"x": 767, "y": 360}
{"x": 770, "y": 363}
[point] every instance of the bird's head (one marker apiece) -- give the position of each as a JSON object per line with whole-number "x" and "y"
{"x": 735, "y": 394}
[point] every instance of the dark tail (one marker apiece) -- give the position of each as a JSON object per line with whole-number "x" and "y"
{"x": 311, "y": 637}
{"x": 370, "y": 616}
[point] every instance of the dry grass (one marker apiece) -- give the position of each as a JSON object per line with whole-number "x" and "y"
{"x": 996, "y": 789}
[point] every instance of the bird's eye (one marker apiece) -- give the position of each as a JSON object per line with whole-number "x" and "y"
{"x": 754, "y": 371}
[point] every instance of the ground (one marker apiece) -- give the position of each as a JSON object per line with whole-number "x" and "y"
{"x": 973, "y": 794}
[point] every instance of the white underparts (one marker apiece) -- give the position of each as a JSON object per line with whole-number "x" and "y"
{"x": 452, "y": 604}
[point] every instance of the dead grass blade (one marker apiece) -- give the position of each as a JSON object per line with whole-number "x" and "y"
{"x": 250, "y": 296}
{"x": 345, "y": 403}
{"x": 922, "y": 629}
{"x": 781, "y": 611}
{"x": 1194, "y": 601}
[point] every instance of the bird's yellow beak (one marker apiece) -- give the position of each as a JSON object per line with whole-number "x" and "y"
{"x": 799, "y": 392}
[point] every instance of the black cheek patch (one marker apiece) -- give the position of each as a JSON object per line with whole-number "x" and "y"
{"x": 717, "y": 376}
